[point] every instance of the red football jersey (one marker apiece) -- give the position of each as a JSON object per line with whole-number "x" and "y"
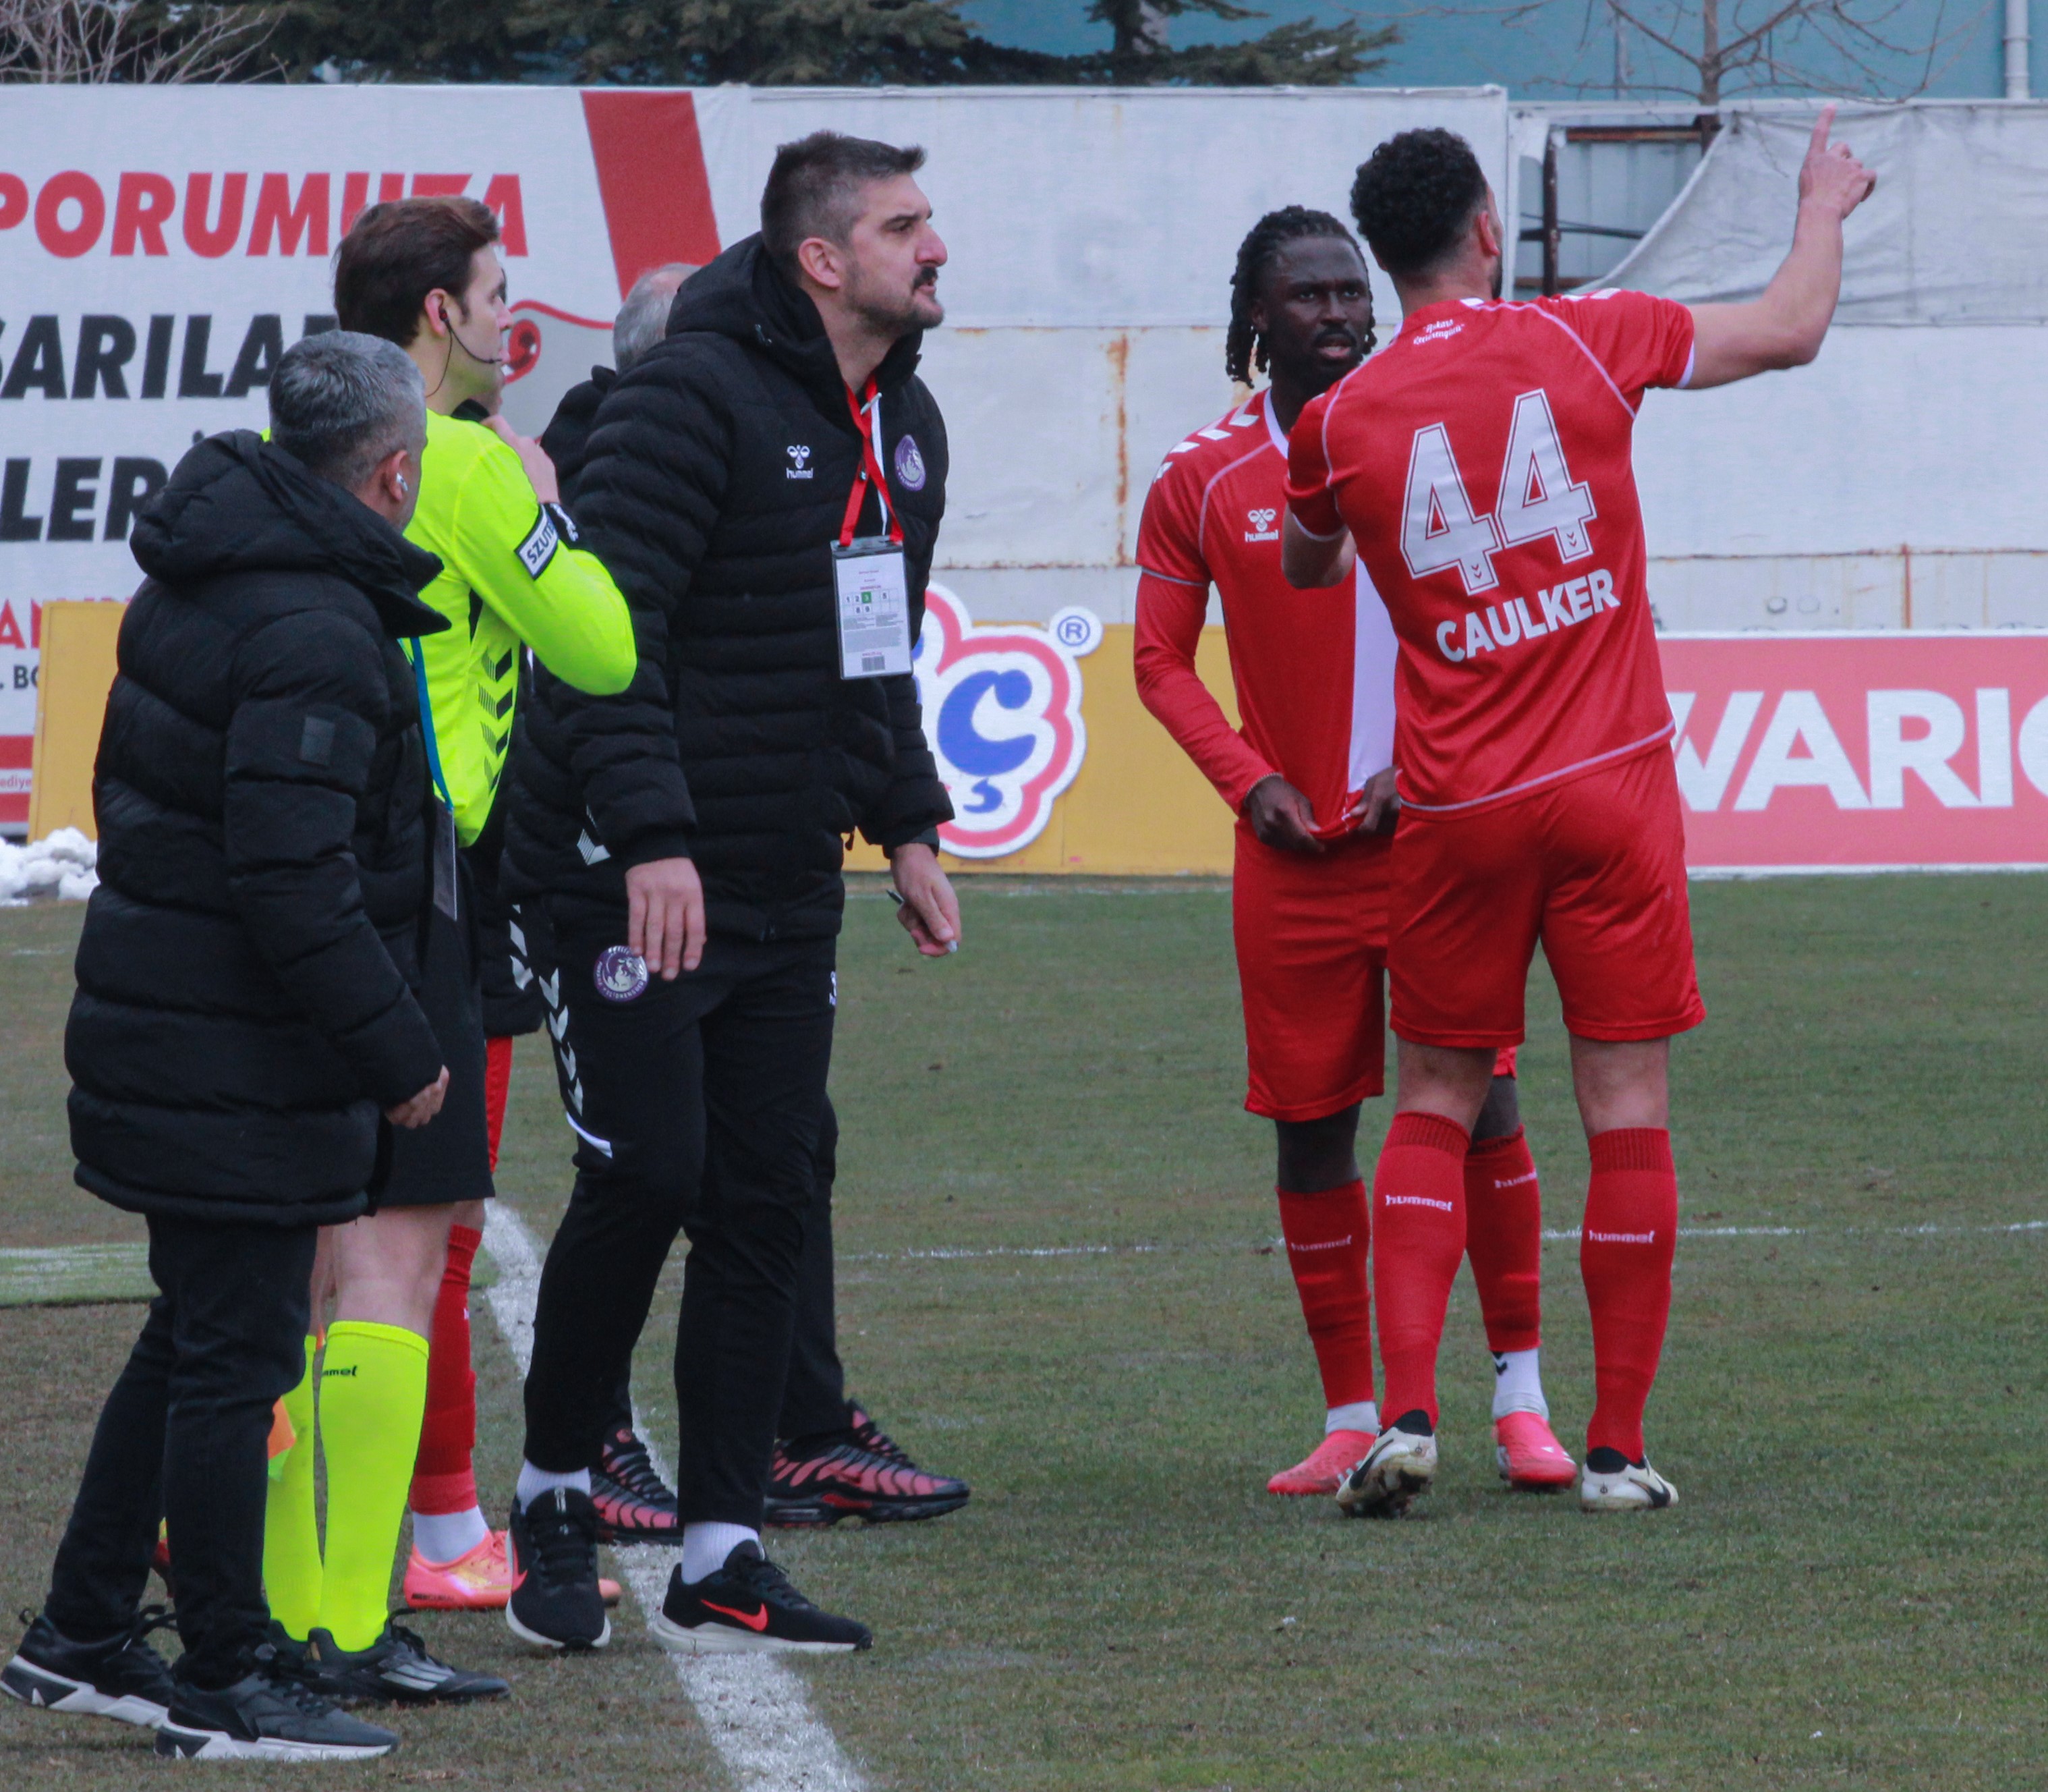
{"x": 1481, "y": 461}
{"x": 1314, "y": 670}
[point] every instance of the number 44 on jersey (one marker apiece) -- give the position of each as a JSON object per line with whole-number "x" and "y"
{"x": 1538, "y": 497}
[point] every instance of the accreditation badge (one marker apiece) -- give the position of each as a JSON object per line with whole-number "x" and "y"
{"x": 872, "y": 587}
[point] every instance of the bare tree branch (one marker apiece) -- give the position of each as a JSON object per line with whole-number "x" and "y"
{"x": 99, "y": 41}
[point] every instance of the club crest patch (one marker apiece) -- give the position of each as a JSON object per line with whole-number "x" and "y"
{"x": 620, "y": 974}
{"x": 910, "y": 465}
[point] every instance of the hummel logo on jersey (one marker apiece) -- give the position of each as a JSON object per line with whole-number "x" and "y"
{"x": 1262, "y": 528}
{"x": 753, "y": 1621}
{"x": 796, "y": 470}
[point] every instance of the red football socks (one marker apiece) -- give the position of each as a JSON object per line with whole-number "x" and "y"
{"x": 1418, "y": 1222}
{"x": 1504, "y": 1240}
{"x": 1327, "y": 1233}
{"x": 1625, "y": 1256}
{"x": 497, "y": 1087}
{"x": 443, "y": 1478}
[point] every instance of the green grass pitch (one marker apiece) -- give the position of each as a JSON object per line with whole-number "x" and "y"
{"x": 1852, "y": 1402}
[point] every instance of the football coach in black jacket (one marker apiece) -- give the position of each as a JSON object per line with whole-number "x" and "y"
{"x": 767, "y": 486}
{"x": 243, "y": 1014}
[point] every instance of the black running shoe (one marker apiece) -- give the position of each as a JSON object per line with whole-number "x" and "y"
{"x": 122, "y": 1677}
{"x": 749, "y": 1608}
{"x": 294, "y": 1655}
{"x": 860, "y": 1472}
{"x": 556, "y": 1601}
{"x": 270, "y": 1714}
{"x": 395, "y": 1669}
{"x": 635, "y": 1505}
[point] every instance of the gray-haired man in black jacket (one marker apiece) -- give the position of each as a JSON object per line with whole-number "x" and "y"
{"x": 765, "y": 485}
{"x": 243, "y": 1024}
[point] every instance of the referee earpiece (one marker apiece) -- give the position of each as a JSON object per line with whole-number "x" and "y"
{"x": 405, "y": 486}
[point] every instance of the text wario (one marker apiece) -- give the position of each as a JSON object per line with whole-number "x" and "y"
{"x": 1502, "y": 625}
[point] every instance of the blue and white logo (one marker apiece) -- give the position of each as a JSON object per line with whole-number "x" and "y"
{"x": 620, "y": 974}
{"x": 910, "y": 465}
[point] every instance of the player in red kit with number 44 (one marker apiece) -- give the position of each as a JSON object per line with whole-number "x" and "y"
{"x": 1481, "y": 466}
{"x": 1309, "y": 778}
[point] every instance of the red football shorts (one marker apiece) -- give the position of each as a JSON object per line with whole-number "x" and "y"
{"x": 1311, "y": 931}
{"x": 1594, "y": 868}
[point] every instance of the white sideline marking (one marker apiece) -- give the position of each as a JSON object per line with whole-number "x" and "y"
{"x": 754, "y": 1710}
{"x": 1566, "y": 1234}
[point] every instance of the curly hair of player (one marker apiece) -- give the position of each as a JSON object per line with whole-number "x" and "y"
{"x": 1413, "y": 196}
{"x": 1244, "y": 349}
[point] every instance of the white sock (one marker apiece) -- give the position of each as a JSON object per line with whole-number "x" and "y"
{"x": 1518, "y": 1384}
{"x": 1360, "y": 1415}
{"x": 534, "y": 1482}
{"x": 443, "y": 1537}
{"x": 705, "y": 1547}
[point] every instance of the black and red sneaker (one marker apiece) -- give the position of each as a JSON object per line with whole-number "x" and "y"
{"x": 748, "y": 1606}
{"x": 870, "y": 1436}
{"x": 859, "y": 1472}
{"x": 635, "y": 1505}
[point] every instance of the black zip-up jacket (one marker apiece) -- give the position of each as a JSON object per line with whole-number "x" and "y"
{"x": 243, "y": 1009}
{"x": 715, "y": 482}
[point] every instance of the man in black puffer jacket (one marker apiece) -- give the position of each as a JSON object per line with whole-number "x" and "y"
{"x": 242, "y": 1015}
{"x": 832, "y": 1461}
{"x": 677, "y": 850}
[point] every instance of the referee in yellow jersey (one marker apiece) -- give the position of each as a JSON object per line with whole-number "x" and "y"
{"x": 424, "y": 274}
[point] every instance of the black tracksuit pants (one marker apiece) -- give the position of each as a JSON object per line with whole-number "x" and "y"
{"x": 184, "y": 1436}
{"x": 814, "y": 1394}
{"x": 697, "y": 1106}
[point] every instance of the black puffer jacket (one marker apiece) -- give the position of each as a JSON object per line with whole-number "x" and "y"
{"x": 566, "y": 440}
{"x": 715, "y": 482}
{"x": 243, "y": 1009}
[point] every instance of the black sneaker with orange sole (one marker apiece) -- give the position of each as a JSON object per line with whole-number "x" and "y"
{"x": 748, "y": 1606}
{"x": 857, "y": 1472}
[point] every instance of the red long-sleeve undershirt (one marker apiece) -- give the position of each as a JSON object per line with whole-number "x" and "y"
{"x": 1170, "y": 615}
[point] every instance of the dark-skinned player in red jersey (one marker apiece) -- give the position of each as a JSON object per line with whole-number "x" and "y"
{"x": 1309, "y": 780}
{"x": 1479, "y": 468}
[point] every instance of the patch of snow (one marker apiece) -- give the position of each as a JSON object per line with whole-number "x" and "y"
{"x": 59, "y": 865}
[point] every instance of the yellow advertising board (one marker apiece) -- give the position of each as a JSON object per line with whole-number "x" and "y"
{"x": 77, "y": 672}
{"x": 1053, "y": 762}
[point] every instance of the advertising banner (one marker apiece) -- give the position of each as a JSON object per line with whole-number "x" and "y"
{"x": 1861, "y": 752}
{"x": 160, "y": 247}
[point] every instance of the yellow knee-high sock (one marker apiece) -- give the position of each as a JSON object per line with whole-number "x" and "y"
{"x": 291, "y": 1533}
{"x": 373, "y": 1390}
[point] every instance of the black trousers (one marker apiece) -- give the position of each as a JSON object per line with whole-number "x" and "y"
{"x": 814, "y": 1393}
{"x": 184, "y": 1435}
{"x": 697, "y": 1106}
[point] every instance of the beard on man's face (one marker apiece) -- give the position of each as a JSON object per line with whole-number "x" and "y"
{"x": 891, "y": 308}
{"x": 1500, "y": 276}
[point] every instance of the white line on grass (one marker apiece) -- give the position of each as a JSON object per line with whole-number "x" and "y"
{"x": 755, "y": 1710}
{"x": 946, "y": 1253}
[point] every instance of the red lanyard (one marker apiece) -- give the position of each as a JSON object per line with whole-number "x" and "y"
{"x": 870, "y": 470}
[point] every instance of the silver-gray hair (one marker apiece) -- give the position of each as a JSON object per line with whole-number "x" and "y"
{"x": 340, "y": 402}
{"x": 643, "y": 319}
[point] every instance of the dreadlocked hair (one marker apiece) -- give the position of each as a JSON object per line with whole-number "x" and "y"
{"x": 1244, "y": 348}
